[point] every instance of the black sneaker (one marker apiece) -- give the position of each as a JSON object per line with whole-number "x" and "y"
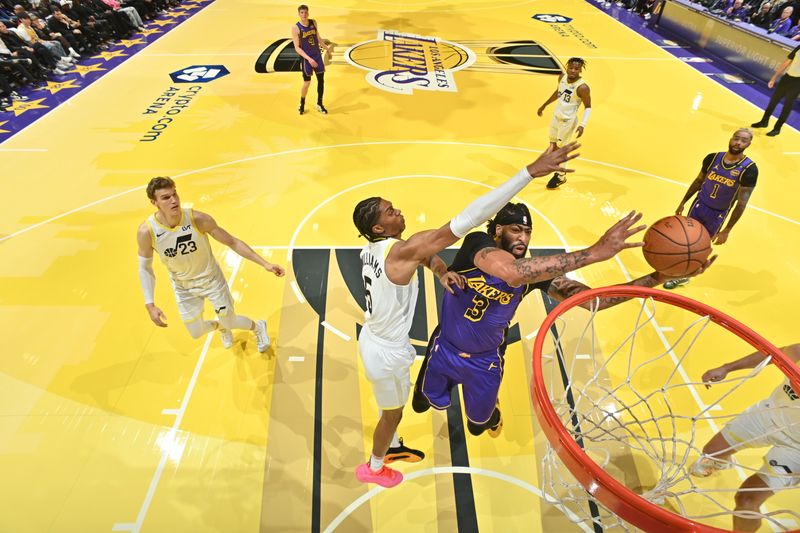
{"x": 759, "y": 124}
{"x": 675, "y": 283}
{"x": 301, "y": 109}
{"x": 321, "y": 109}
{"x": 556, "y": 181}
{"x": 774, "y": 132}
{"x": 419, "y": 402}
{"x": 401, "y": 453}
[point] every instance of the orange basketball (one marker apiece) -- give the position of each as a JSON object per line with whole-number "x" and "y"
{"x": 676, "y": 246}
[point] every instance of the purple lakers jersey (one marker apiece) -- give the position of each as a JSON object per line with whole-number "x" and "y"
{"x": 309, "y": 42}
{"x": 475, "y": 319}
{"x": 722, "y": 182}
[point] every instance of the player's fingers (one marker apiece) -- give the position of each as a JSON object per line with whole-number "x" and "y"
{"x": 564, "y": 170}
{"x": 634, "y": 231}
{"x": 632, "y": 245}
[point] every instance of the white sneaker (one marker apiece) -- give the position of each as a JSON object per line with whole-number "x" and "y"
{"x": 227, "y": 338}
{"x": 705, "y": 466}
{"x": 74, "y": 54}
{"x": 261, "y": 335}
{"x": 58, "y": 72}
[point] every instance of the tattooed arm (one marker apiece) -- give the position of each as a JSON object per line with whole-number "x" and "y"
{"x": 562, "y": 288}
{"x": 515, "y": 272}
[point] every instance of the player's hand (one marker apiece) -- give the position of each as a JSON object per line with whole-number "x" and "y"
{"x": 714, "y": 375}
{"x": 275, "y": 269}
{"x": 157, "y": 315}
{"x": 679, "y": 211}
{"x": 721, "y": 237}
{"x": 313, "y": 63}
{"x": 771, "y": 84}
{"x": 579, "y": 132}
{"x": 451, "y": 278}
{"x": 551, "y": 161}
{"x": 614, "y": 240}
{"x": 540, "y": 111}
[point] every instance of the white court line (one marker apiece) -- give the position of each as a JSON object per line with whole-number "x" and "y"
{"x": 297, "y": 292}
{"x": 170, "y": 411}
{"x": 135, "y": 527}
{"x": 583, "y": 356}
{"x": 296, "y": 358}
{"x": 532, "y": 334}
{"x": 438, "y": 470}
{"x": 335, "y": 331}
{"x": 791, "y": 153}
{"x": 350, "y": 145}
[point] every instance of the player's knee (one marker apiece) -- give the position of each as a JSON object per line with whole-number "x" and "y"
{"x": 393, "y": 416}
{"x": 749, "y": 500}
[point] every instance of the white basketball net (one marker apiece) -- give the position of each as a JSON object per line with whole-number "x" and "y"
{"x": 639, "y": 416}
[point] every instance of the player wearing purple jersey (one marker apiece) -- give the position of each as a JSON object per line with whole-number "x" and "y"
{"x": 469, "y": 344}
{"x": 307, "y": 40}
{"x": 724, "y": 179}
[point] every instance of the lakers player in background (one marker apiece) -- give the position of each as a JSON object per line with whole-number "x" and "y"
{"x": 307, "y": 40}
{"x": 571, "y": 91}
{"x": 389, "y": 267}
{"x": 180, "y": 237}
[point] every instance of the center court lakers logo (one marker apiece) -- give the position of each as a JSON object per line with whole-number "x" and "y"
{"x": 401, "y": 62}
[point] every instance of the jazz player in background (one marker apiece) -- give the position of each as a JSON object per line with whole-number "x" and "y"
{"x": 307, "y": 40}
{"x": 389, "y": 267}
{"x": 773, "y": 422}
{"x": 571, "y": 91}
{"x": 180, "y": 237}
{"x": 724, "y": 179}
{"x": 468, "y": 347}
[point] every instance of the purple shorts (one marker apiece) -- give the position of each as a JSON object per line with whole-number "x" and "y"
{"x": 711, "y": 219}
{"x": 480, "y": 376}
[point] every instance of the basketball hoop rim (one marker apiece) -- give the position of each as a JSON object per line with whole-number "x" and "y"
{"x": 599, "y": 483}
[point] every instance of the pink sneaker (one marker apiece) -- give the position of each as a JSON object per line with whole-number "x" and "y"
{"x": 385, "y": 477}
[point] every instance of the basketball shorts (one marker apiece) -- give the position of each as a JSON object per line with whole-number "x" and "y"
{"x": 387, "y": 365}
{"x": 710, "y": 218}
{"x": 561, "y": 130}
{"x": 308, "y": 70}
{"x": 755, "y": 428}
{"x": 480, "y": 376}
{"x": 190, "y": 297}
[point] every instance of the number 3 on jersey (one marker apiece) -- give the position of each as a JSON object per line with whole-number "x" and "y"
{"x": 475, "y": 313}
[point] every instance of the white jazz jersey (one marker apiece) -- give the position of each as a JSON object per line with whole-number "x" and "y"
{"x": 568, "y": 99}
{"x": 390, "y": 307}
{"x": 783, "y": 406}
{"x": 185, "y": 251}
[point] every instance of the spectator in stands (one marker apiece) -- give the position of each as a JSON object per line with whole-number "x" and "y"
{"x": 762, "y": 19}
{"x": 8, "y": 93}
{"x": 129, "y": 12}
{"x": 29, "y": 34}
{"x": 782, "y": 25}
{"x": 25, "y": 59}
{"x": 15, "y": 43}
{"x": 737, "y": 11}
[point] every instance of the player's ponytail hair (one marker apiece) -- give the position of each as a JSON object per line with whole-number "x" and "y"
{"x": 159, "y": 182}
{"x": 365, "y": 215}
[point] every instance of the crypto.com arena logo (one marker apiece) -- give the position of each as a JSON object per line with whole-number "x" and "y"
{"x": 401, "y": 62}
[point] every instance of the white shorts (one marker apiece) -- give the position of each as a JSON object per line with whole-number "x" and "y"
{"x": 561, "y": 130}
{"x": 754, "y": 428}
{"x": 190, "y": 297}
{"x": 387, "y": 367}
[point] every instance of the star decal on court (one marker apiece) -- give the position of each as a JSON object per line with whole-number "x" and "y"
{"x": 110, "y": 55}
{"x": 127, "y": 43}
{"x": 165, "y": 22}
{"x": 177, "y": 13}
{"x": 20, "y": 107}
{"x": 83, "y": 70}
{"x": 149, "y": 32}
{"x": 55, "y": 86}
{"x": 2, "y": 130}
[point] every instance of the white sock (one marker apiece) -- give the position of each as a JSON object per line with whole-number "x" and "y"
{"x": 395, "y": 441}
{"x": 375, "y": 463}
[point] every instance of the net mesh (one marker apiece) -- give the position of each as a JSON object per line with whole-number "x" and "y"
{"x": 627, "y": 390}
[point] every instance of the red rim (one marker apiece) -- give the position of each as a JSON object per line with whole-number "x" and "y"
{"x": 597, "y": 482}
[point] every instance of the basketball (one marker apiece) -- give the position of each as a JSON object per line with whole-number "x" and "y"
{"x": 676, "y": 246}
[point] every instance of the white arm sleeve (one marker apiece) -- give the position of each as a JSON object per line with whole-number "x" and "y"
{"x": 487, "y": 205}
{"x": 148, "y": 278}
{"x": 586, "y": 112}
